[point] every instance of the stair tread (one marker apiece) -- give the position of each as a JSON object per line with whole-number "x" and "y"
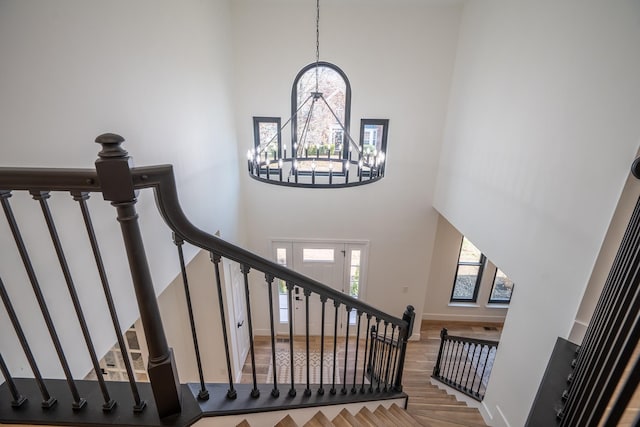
{"x": 244, "y": 423}
{"x": 367, "y": 417}
{"x": 286, "y": 422}
{"x": 340, "y": 421}
{"x": 471, "y": 418}
{"x": 404, "y": 415}
{"x": 349, "y": 418}
{"x": 319, "y": 420}
{"x": 386, "y": 418}
{"x": 432, "y": 422}
{"x": 452, "y": 406}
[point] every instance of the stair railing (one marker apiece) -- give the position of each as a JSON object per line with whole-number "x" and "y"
{"x": 465, "y": 363}
{"x": 120, "y": 183}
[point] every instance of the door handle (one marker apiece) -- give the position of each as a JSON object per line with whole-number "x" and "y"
{"x": 298, "y": 299}
{"x": 240, "y": 324}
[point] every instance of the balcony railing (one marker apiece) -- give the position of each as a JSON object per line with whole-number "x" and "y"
{"x": 164, "y": 400}
{"x": 465, "y": 363}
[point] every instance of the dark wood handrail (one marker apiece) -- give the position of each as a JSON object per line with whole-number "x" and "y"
{"x": 161, "y": 179}
{"x": 472, "y": 340}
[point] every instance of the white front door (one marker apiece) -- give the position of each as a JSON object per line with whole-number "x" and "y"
{"x": 338, "y": 265}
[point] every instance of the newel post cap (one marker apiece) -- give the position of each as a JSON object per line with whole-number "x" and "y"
{"x": 111, "y": 146}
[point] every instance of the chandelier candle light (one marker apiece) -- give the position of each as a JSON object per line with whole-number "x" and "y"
{"x": 323, "y": 155}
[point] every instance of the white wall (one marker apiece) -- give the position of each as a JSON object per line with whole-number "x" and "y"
{"x": 156, "y": 72}
{"x": 541, "y": 130}
{"x": 398, "y": 57}
{"x": 444, "y": 261}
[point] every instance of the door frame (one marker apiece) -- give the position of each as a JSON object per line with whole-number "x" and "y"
{"x": 282, "y": 328}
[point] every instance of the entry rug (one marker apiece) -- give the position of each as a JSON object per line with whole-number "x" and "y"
{"x": 283, "y": 368}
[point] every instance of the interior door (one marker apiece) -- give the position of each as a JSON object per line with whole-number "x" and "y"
{"x": 238, "y": 319}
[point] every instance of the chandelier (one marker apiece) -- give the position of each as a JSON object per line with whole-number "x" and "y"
{"x": 323, "y": 154}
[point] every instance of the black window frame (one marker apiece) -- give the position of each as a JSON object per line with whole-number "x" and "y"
{"x": 480, "y": 264}
{"x": 256, "y": 132}
{"x": 383, "y": 142}
{"x": 493, "y": 284}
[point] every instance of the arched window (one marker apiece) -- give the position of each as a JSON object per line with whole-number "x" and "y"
{"x": 322, "y": 133}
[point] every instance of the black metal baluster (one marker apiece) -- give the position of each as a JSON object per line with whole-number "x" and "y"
{"x": 290, "y": 286}
{"x": 346, "y": 354}
{"x": 336, "y": 304}
{"x": 275, "y": 392}
{"x": 597, "y": 331}
{"x": 307, "y": 294}
{"x": 47, "y": 400}
{"x": 78, "y": 402}
{"x": 454, "y": 362}
{"x": 355, "y": 363}
{"x": 619, "y": 318}
{"x": 382, "y": 348}
{"x": 41, "y": 197}
{"x": 373, "y": 355}
{"x": 473, "y": 356}
{"x": 475, "y": 371}
{"x": 484, "y": 368}
{"x": 366, "y": 344}
{"x": 626, "y": 394}
{"x": 464, "y": 357}
{"x": 203, "y": 394}
{"x": 449, "y": 354}
{"x": 395, "y": 358}
{"x": 215, "y": 258}
{"x": 323, "y": 300}
{"x": 245, "y": 271}
{"x": 18, "y": 399}
{"x": 386, "y": 375}
{"x": 81, "y": 198}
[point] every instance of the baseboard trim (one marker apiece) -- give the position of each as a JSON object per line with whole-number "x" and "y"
{"x": 463, "y": 317}
{"x": 504, "y": 419}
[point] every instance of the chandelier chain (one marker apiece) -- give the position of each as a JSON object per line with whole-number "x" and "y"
{"x": 317, "y": 40}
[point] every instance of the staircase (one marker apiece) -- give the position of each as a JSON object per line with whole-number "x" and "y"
{"x": 430, "y": 407}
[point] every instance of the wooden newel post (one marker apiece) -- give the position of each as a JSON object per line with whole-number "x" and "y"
{"x": 409, "y": 317}
{"x": 443, "y": 337}
{"x": 114, "y": 172}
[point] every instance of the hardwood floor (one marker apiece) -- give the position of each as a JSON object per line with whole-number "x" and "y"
{"x": 426, "y": 402}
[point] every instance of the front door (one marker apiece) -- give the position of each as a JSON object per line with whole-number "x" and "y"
{"x": 338, "y": 265}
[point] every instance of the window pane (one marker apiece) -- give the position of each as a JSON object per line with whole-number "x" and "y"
{"x": 268, "y": 132}
{"x": 465, "y": 284}
{"x": 324, "y": 136}
{"x": 283, "y": 302}
{"x": 372, "y": 139}
{"x": 468, "y": 252}
{"x": 317, "y": 255}
{"x": 502, "y": 288}
{"x": 354, "y": 274}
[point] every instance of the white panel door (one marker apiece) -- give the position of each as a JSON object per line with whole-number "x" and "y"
{"x": 323, "y": 262}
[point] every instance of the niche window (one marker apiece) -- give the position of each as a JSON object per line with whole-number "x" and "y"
{"x": 468, "y": 273}
{"x": 502, "y": 288}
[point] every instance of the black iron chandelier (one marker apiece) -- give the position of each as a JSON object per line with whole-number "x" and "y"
{"x": 323, "y": 155}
